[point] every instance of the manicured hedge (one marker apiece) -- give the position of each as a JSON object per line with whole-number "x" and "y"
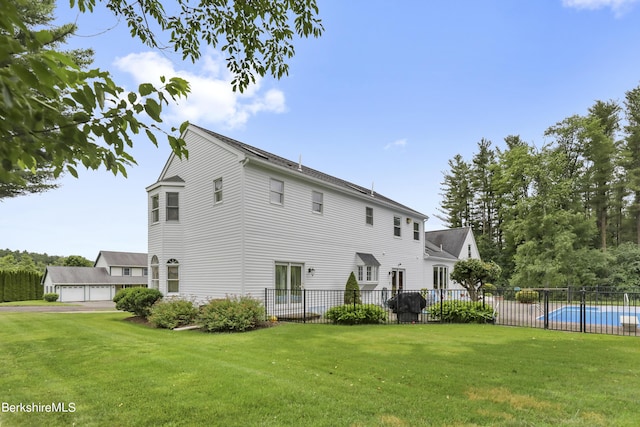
{"x": 20, "y": 286}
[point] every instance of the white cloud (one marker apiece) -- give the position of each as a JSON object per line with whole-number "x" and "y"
{"x": 211, "y": 101}
{"x": 399, "y": 143}
{"x": 618, "y": 6}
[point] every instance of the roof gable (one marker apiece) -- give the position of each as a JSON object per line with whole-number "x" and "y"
{"x": 450, "y": 240}
{"x": 123, "y": 259}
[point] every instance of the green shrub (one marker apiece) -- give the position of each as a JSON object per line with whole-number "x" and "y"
{"x": 359, "y": 314}
{"x": 489, "y": 289}
{"x": 352, "y": 291}
{"x": 232, "y": 314}
{"x": 51, "y": 297}
{"x": 527, "y": 296}
{"x": 173, "y": 313}
{"x": 137, "y": 300}
{"x": 461, "y": 312}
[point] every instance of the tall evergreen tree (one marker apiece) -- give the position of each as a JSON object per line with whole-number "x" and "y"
{"x": 631, "y": 154}
{"x": 456, "y": 193}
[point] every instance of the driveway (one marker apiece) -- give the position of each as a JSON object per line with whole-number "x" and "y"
{"x": 85, "y": 306}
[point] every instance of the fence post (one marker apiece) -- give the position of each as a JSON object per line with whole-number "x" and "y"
{"x": 441, "y": 303}
{"x": 583, "y": 310}
{"x": 304, "y": 306}
{"x": 266, "y": 303}
{"x": 546, "y": 309}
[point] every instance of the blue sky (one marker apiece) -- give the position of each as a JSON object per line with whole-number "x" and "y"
{"x": 387, "y": 95}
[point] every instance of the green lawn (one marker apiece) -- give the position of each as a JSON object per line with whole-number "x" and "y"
{"x": 120, "y": 373}
{"x": 37, "y": 302}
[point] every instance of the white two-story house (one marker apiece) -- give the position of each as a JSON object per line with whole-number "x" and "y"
{"x": 235, "y": 219}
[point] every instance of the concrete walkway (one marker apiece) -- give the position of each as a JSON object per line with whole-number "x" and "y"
{"x": 85, "y": 306}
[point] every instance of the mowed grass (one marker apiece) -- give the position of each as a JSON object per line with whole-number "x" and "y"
{"x": 32, "y": 303}
{"x": 125, "y": 374}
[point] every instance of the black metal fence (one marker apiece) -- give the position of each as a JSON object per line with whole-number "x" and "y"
{"x": 593, "y": 310}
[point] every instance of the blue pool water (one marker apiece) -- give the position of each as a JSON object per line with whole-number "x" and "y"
{"x": 593, "y": 315}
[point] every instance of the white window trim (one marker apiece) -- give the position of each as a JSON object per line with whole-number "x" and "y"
{"x": 367, "y": 274}
{"x": 173, "y": 263}
{"x": 218, "y": 191}
{"x": 177, "y": 207}
{"x": 272, "y": 192}
{"x": 366, "y": 217}
{"x": 155, "y": 211}
{"x": 315, "y": 203}
{"x": 398, "y": 227}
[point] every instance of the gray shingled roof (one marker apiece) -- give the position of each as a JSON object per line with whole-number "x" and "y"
{"x": 450, "y": 239}
{"x": 435, "y": 251}
{"x": 257, "y": 153}
{"x": 89, "y": 276}
{"x": 124, "y": 259}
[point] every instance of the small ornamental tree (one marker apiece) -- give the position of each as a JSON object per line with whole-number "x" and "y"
{"x": 472, "y": 274}
{"x": 352, "y": 291}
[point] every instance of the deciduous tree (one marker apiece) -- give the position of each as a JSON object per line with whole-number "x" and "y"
{"x": 473, "y": 273}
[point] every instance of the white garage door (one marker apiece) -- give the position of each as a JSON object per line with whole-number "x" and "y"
{"x": 99, "y": 293}
{"x": 71, "y": 293}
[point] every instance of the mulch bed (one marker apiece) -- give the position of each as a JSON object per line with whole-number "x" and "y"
{"x": 144, "y": 322}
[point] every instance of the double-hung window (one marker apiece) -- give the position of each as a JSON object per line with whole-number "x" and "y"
{"x": 397, "y": 230}
{"x": 155, "y": 208}
{"x": 173, "y": 276}
{"x": 155, "y": 273}
{"x": 276, "y": 192}
{"x": 217, "y": 191}
{"x": 368, "y": 215}
{"x": 317, "y": 204}
{"x": 416, "y": 230}
{"x": 173, "y": 207}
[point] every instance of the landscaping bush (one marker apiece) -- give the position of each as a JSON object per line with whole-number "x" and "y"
{"x": 527, "y": 296}
{"x": 461, "y": 312}
{"x": 358, "y": 314}
{"x": 51, "y": 297}
{"x": 489, "y": 289}
{"x": 137, "y": 300}
{"x": 352, "y": 291}
{"x": 173, "y": 313}
{"x": 232, "y": 314}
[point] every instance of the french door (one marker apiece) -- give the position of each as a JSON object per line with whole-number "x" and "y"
{"x": 288, "y": 281}
{"x": 397, "y": 280}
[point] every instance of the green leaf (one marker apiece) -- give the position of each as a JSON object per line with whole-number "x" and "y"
{"x": 72, "y": 171}
{"x": 146, "y": 89}
{"x": 153, "y": 109}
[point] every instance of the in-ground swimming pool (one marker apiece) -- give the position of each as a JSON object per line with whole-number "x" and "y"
{"x": 593, "y": 315}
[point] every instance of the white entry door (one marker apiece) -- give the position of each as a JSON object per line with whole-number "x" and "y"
{"x": 288, "y": 282}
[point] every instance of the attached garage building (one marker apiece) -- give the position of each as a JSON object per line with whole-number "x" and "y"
{"x": 112, "y": 271}
{"x": 87, "y": 283}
